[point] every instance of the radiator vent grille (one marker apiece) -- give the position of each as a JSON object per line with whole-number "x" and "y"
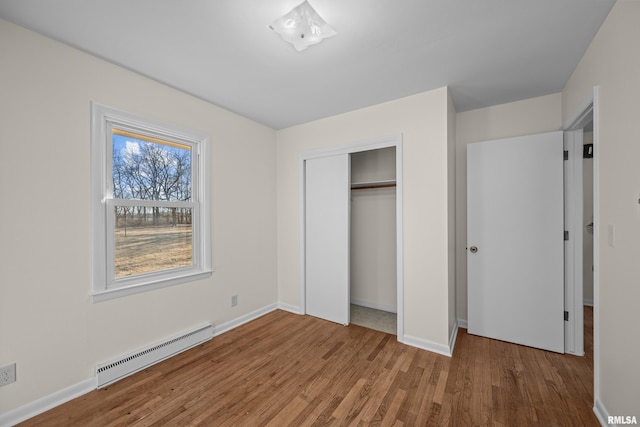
{"x": 114, "y": 370}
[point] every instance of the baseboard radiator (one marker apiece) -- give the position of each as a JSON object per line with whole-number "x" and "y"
{"x": 114, "y": 370}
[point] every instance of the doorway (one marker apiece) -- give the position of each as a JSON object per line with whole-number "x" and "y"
{"x": 585, "y": 121}
{"x": 579, "y": 223}
{"x": 313, "y": 288}
{"x": 580, "y": 256}
{"x": 373, "y": 293}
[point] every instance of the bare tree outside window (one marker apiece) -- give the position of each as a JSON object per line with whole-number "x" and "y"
{"x": 150, "y": 238}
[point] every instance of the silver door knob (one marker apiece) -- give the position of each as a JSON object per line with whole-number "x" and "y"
{"x": 473, "y": 249}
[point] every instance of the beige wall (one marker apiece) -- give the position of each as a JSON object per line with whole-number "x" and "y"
{"x": 530, "y": 116}
{"x": 48, "y": 323}
{"x": 612, "y": 63}
{"x": 422, "y": 120}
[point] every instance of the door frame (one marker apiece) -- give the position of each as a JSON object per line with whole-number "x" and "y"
{"x": 574, "y": 224}
{"x": 373, "y": 144}
{"x": 589, "y": 110}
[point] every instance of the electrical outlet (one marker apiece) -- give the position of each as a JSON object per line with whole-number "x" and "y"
{"x": 7, "y": 374}
{"x": 234, "y": 300}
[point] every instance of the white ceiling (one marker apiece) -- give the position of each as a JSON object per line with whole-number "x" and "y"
{"x": 487, "y": 51}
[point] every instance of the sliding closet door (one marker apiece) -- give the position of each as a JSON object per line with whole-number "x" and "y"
{"x": 327, "y": 192}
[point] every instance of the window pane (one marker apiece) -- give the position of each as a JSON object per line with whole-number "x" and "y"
{"x": 149, "y": 168}
{"x": 149, "y": 239}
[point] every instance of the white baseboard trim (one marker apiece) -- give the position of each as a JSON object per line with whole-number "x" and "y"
{"x": 59, "y": 397}
{"x": 462, "y": 323}
{"x": 427, "y": 345}
{"x": 45, "y": 403}
{"x": 601, "y": 413}
{"x": 289, "y": 307}
{"x": 588, "y": 302}
{"x": 232, "y": 324}
{"x": 376, "y": 306}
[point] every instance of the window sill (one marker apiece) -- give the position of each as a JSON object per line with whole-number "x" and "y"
{"x": 109, "y": 294}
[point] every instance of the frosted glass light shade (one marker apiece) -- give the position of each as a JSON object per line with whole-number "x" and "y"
{"x": 302, "y": 27}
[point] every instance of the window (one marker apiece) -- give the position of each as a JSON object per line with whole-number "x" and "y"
{"x": 150, "y": 200}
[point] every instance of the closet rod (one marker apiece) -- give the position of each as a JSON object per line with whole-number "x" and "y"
{"x": 364, "y": 186}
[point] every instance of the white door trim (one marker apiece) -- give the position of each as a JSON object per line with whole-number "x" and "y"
{"x": 577, "y": 121}
{"x": 374, "y": 144}
{"x": 573, "y": 254}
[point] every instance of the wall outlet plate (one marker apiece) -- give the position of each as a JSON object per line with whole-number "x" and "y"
{"x": 8, "y": 374}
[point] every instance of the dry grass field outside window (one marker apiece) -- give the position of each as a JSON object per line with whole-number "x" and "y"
{"x": 151, "y": 248}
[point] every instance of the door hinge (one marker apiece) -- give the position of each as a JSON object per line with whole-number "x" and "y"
{"x": 566, "y": 235}
{"x": 566, "y": 316}
{"x": 566, "y": 155}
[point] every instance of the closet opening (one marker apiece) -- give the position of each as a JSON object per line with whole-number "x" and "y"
{"x": 351, "y": 254}
{"x": 373, "y": 252}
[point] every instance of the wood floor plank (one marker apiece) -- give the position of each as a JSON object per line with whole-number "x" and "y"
{"x": 288, "y": 370}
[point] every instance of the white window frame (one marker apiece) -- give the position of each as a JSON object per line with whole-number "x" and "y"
{"x": 104, "y": 284}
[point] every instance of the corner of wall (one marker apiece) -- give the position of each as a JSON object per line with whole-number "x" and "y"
{"x": 601, "y": 412}
{"x": 451, "y": 214}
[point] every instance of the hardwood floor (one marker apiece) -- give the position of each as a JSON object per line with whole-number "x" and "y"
{"x": 284, "y": 369}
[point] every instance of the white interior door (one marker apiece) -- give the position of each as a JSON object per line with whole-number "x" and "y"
{"x": 516, "y": 240}
{"x": 327, "y": 191}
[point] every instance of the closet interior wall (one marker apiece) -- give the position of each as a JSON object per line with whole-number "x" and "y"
{"x": 373, "y": 229}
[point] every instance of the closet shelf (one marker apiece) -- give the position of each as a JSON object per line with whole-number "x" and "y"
{"x": 373, "y": 184}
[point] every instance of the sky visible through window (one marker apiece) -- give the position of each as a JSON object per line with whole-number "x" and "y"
{"x": 150, "y": 170}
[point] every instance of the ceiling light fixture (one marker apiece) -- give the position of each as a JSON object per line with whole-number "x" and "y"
{"x": 302, "y": 27}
